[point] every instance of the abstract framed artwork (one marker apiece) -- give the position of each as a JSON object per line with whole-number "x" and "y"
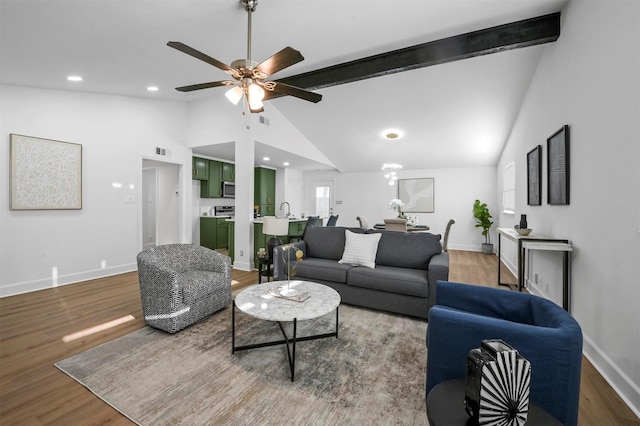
{"x": 558, "y": 167}
{"x": 417, "y": 195}
{"x": 44, "y": 174}
{"x": 534, "y": 176}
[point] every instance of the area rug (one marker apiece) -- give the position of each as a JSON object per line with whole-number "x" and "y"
{"x": 373, "y": 373}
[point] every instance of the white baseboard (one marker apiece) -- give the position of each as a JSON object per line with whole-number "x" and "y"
{"x": 45, "y": 283}
{"x": 619, "y": 381}
{"x": 628, "y": 391}
{"x": 466, "y": 247}
{"x": 243, "y": 266}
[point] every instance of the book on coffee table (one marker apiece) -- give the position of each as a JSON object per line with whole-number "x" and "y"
{"x": 297, "y": 297}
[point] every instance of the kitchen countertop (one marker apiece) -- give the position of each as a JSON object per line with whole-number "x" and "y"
{"x": 261, "y": 220}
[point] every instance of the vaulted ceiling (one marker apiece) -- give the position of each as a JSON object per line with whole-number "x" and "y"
{"x": 454, "y": 114}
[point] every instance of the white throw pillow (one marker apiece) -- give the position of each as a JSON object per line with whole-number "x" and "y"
{"x": 360, "y": 249}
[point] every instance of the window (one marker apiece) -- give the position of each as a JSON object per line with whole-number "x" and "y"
{"x": 509, "y": 189}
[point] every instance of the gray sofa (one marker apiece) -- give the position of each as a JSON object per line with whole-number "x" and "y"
{"x": 407, "y": 267}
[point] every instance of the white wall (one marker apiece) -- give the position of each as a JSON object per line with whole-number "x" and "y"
{"x": 455, "y": 190}
{"x": 589, "y": 79}
{"x": 116, "y": 133}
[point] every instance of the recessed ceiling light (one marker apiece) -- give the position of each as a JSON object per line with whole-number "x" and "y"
{"x": 152, "y": 88}
{"x": 74, "y": 78}
{"x": 392, "y": 134}
{"x": 286, "y": 163}
{"x": 266, "y": 158}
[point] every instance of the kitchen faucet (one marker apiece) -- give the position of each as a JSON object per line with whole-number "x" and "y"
{"x": 288, "y": 211}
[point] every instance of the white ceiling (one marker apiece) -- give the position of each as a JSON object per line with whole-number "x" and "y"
{"x": 457, "y": 114}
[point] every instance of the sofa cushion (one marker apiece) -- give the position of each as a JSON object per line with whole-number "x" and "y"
{"x": 412, "y": 282}
{"x": 326, "y": 242}
{"x": 360, "y": 249}
{"x": 407, "y": 249}
{"x": 322, "y": 269}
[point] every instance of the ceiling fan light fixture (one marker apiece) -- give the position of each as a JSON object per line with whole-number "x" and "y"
{"x": 255, "y": 93}
{"x": 256, "y": 106}
{"x": 234, "y": 94}
{"x": 249, "y": 75}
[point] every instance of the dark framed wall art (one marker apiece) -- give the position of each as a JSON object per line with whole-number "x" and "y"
{"x": 558, "y": 167}
{"x": 534, "y": 176}
{"x": 44, "y": 174}
{"x": 417, "y": 195}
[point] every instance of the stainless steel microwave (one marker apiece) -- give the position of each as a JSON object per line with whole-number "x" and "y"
{"x": 228, "y": 190}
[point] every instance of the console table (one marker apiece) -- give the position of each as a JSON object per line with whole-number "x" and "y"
{"x": 535, "y": 241}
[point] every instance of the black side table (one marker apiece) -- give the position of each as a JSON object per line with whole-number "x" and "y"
{"x": 262, "y": 271}
{"x": 445, "y": 407}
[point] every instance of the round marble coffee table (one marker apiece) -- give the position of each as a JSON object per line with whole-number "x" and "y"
{"x": 270, "y": 302}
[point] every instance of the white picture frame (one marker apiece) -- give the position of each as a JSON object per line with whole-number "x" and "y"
{"x": 417, "y": 195}
{"x": 44, "y": 174}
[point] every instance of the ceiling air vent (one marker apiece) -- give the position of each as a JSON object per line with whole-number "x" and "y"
{"x": 264, "y": 120}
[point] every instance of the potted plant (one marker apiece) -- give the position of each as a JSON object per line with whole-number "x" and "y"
{"x": 483, "y": 218}
{"x": 396, "y": 204}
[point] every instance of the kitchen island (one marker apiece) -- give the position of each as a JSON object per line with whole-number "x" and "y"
{"x": 296, "y": 227}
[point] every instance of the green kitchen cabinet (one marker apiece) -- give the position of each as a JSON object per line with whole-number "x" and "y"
{"x": 265, "y": 190}
{"x": 209, "y": 232}
{"x": 214, "y": 232}
{"x": 222, "y": 233}
{"x": 231, "y": 240}
{"x": 228, "y": 172}
{"x": 200, "y": 168}
{"x": 267, "y": 209}
{"x": 212, "y": 188}
{"x": 296, "y": 228}
{"x": 259, "y": 241}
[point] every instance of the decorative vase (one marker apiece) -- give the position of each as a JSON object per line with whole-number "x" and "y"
{"x": 523, "y": 221}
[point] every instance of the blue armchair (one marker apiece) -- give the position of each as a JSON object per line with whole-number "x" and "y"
{"x": 544, "y": 333}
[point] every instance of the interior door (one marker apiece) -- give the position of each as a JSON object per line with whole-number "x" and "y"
{"x": 149, "y": 207}
{"x": 322, "y": 202}
{"x": 161, "y": 207}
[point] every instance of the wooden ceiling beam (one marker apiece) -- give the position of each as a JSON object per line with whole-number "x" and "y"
{"x": 515, "y": 35}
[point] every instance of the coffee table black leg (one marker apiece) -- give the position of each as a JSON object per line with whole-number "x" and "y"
{"x": 233, "y": 328}
{"x": 291, "y": 352}
{"x": 293, "y": 358}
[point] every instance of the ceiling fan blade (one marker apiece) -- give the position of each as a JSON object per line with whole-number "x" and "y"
{"x": 199, "y": 55}
{"x": 285, "y": 89}
{"x": 281, "y": 60}
{"x": 201, "y": 86}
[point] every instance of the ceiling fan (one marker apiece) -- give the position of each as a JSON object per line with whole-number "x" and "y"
{"x": 249, "y": 76}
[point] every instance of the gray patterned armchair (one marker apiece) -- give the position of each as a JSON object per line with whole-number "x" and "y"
{"x": 180, "y": 284}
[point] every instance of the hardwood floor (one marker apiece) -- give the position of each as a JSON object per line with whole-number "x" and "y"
{"x": 39, "y": 328}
